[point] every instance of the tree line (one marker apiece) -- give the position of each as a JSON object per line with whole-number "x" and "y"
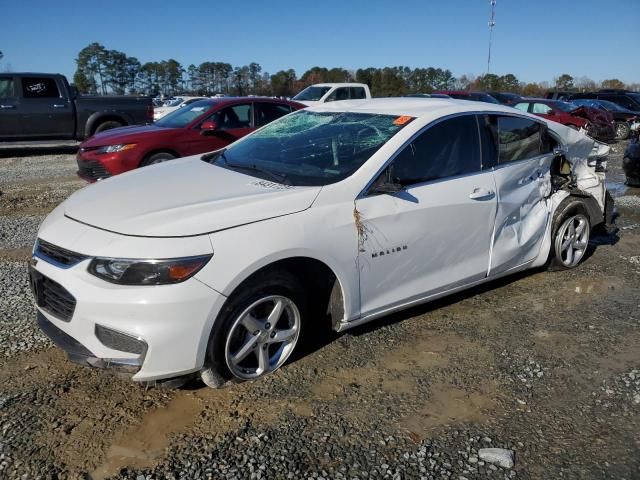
{"x": 103, "y": 71}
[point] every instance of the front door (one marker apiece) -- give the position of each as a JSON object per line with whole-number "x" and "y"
{"x": 233, "y": 122}
{"x": 524, "y": 154}
{"x": 435, "y": 234}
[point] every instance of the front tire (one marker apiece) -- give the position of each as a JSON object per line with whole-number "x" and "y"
{"x": 157, "y": 158}
{"x": 570, "y": 239}
{"x": 108, "y": 125}
{"x": 622, "y": 130}
{"x": 258, "y": 329}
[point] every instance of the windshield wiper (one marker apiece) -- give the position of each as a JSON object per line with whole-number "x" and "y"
{"x": 278, "y": 177}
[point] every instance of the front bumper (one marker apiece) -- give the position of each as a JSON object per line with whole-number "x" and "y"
{"x": 173, "y": 322}
{"x": 78, "y": 353}
{"x": 93, "y": 166}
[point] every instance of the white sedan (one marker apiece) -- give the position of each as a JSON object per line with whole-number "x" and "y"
{"x": 219, "y": 265}
{"x": 172, "y": 105}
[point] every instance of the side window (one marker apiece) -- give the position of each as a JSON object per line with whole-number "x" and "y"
{"x": 447, "y": 149}
{"x": 6, "y": 88}
{"x": 341, "y": 93}
{"x": 358, "y": 93}
{"x": 237, "y": 116}
{"x": 541, "y": 108}
{"x": 518, "y": 139}
{"x": 522, "y": 106}
{"x": 34, "y": 87}
{"x": 268, "y": 112}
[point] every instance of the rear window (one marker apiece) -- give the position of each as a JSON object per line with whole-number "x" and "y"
{"x": 35, "y": 87}
{"x": 518, "y": 139}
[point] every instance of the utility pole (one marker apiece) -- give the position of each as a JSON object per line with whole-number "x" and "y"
{"x": 492, "y": 23}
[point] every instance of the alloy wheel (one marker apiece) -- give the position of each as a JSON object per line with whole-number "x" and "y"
{"x": 572, "y": 240}
{"x": 262, "y": 337}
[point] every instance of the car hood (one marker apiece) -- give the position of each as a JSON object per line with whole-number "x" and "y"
{"x": 119, "y": 135}
{"x": 309, "y": 103}
{"x": 184, "y": 197}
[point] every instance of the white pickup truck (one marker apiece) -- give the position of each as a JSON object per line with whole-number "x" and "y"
{"x": 330, "y": 92}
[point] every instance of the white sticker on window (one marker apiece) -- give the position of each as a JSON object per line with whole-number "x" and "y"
{"x": 197, "y": 109}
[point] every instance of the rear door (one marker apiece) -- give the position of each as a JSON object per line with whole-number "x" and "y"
{"x": 44, "y": 109}
{"x": 522, "y": 152}
{"x": 436, "y": 233}
{"x": 9, "y": 102}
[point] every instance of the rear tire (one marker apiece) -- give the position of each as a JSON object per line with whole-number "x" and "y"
{"x": 622, "y": 130}
{"x": 244, "y": 344}
{"x": 570, "y": 236}
{"x": 108, "y": 125}
{"x": 157, "y": 158}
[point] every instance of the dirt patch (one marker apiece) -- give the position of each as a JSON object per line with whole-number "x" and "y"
{"x": 448, "y": 405}
{"x": 15, "y": 254}
{"x": 142, "y": 445}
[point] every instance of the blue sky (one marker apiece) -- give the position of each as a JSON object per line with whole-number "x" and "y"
{"x": 534, "y": 39}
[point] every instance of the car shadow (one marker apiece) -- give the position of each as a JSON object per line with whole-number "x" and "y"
{"x": 36, "y": 150}
{"x": 321, "y": 339}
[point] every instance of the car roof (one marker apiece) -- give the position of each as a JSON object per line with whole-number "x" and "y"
{"x": 414, "y": 107}
{"x": 344, "y": 84}
{"x": 224, "y": 100}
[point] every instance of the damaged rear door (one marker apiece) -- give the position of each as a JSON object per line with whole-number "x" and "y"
{"x": 434, "y": 232}
{"x": 523, "y": 153}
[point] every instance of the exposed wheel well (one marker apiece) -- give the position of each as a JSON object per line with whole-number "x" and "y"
{"x": 588, "y": 205}
{"x": 317, "y": 279}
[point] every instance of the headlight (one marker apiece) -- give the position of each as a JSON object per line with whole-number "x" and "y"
{"x": 147, "y": 272}
{"x": 115, "y": 148}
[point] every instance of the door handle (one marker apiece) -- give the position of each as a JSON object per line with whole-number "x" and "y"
{"x": 481, "y": 194}
{"x": 58, "y": 105}
{"x": 7, "y": 106}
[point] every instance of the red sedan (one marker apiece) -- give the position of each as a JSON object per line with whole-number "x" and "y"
{"x": 598, "y": 124}
{"x": 200, "y": 127}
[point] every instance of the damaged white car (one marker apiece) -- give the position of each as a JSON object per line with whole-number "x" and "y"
{"x": 219, "y": 265}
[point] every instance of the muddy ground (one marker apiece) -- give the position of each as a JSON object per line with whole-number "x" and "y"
{"x": 546, "y": 364}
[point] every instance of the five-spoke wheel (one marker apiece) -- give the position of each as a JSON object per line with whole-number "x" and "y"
{"x": 572, "y": 240}
{"x": 262, "y": 337}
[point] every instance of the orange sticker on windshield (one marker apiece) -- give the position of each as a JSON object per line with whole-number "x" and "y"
{"x": 403, "y": 120}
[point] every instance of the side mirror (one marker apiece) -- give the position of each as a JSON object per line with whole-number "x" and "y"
{"x": 208, "y": 127}
{"x": 73, "y": 92}
{"x": 551, "y": 112}
{"x": 386, "y": 183}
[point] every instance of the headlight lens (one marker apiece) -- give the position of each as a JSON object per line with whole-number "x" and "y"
{"x": 115, "y": 148}
{"x": 147, "y": 272}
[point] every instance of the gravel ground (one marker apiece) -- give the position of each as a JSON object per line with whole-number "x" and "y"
{"x": 543, "y": 366}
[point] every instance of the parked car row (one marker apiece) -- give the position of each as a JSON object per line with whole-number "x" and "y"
{"x": 601, "y": 118}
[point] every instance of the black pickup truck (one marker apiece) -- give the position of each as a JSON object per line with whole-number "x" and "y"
{"x": 41, "y": 106}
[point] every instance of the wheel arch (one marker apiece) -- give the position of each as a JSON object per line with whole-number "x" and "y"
{"x": 315, "y": 275}
{"x": 593, "y": 210}
{"x": 97, "y": 118}
{"x": 155, "y": 150}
